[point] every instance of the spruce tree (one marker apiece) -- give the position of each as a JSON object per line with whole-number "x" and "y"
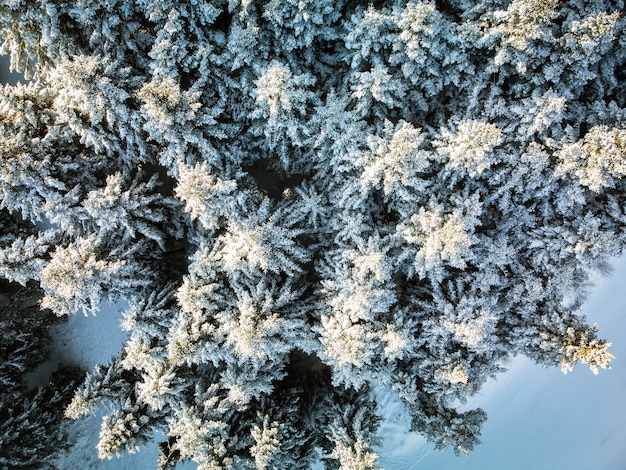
{"x": 304, "y": 200}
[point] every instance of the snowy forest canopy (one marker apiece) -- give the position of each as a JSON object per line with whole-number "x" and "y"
{"x": 305, "y": 200}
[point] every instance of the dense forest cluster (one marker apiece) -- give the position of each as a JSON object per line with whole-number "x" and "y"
{"x": 303, "y": 201}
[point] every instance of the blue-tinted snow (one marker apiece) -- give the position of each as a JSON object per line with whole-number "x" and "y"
{"x": 6, "y": 76}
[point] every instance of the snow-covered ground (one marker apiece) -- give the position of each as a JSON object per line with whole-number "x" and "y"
{"x": 7, "y": 76}
{"x": 538, "y": 418}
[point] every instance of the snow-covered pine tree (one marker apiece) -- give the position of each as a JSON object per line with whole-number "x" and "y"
{"x": 303, "y": 200}
{"x": 33, "y": 431}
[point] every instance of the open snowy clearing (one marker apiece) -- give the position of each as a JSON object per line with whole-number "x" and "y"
{"x": 538, "y": 418}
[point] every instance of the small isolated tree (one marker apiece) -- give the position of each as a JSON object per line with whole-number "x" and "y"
{"x": 304, "y": 200}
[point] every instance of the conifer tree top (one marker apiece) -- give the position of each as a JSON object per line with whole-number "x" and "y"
{"x": 304, "y": 200}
